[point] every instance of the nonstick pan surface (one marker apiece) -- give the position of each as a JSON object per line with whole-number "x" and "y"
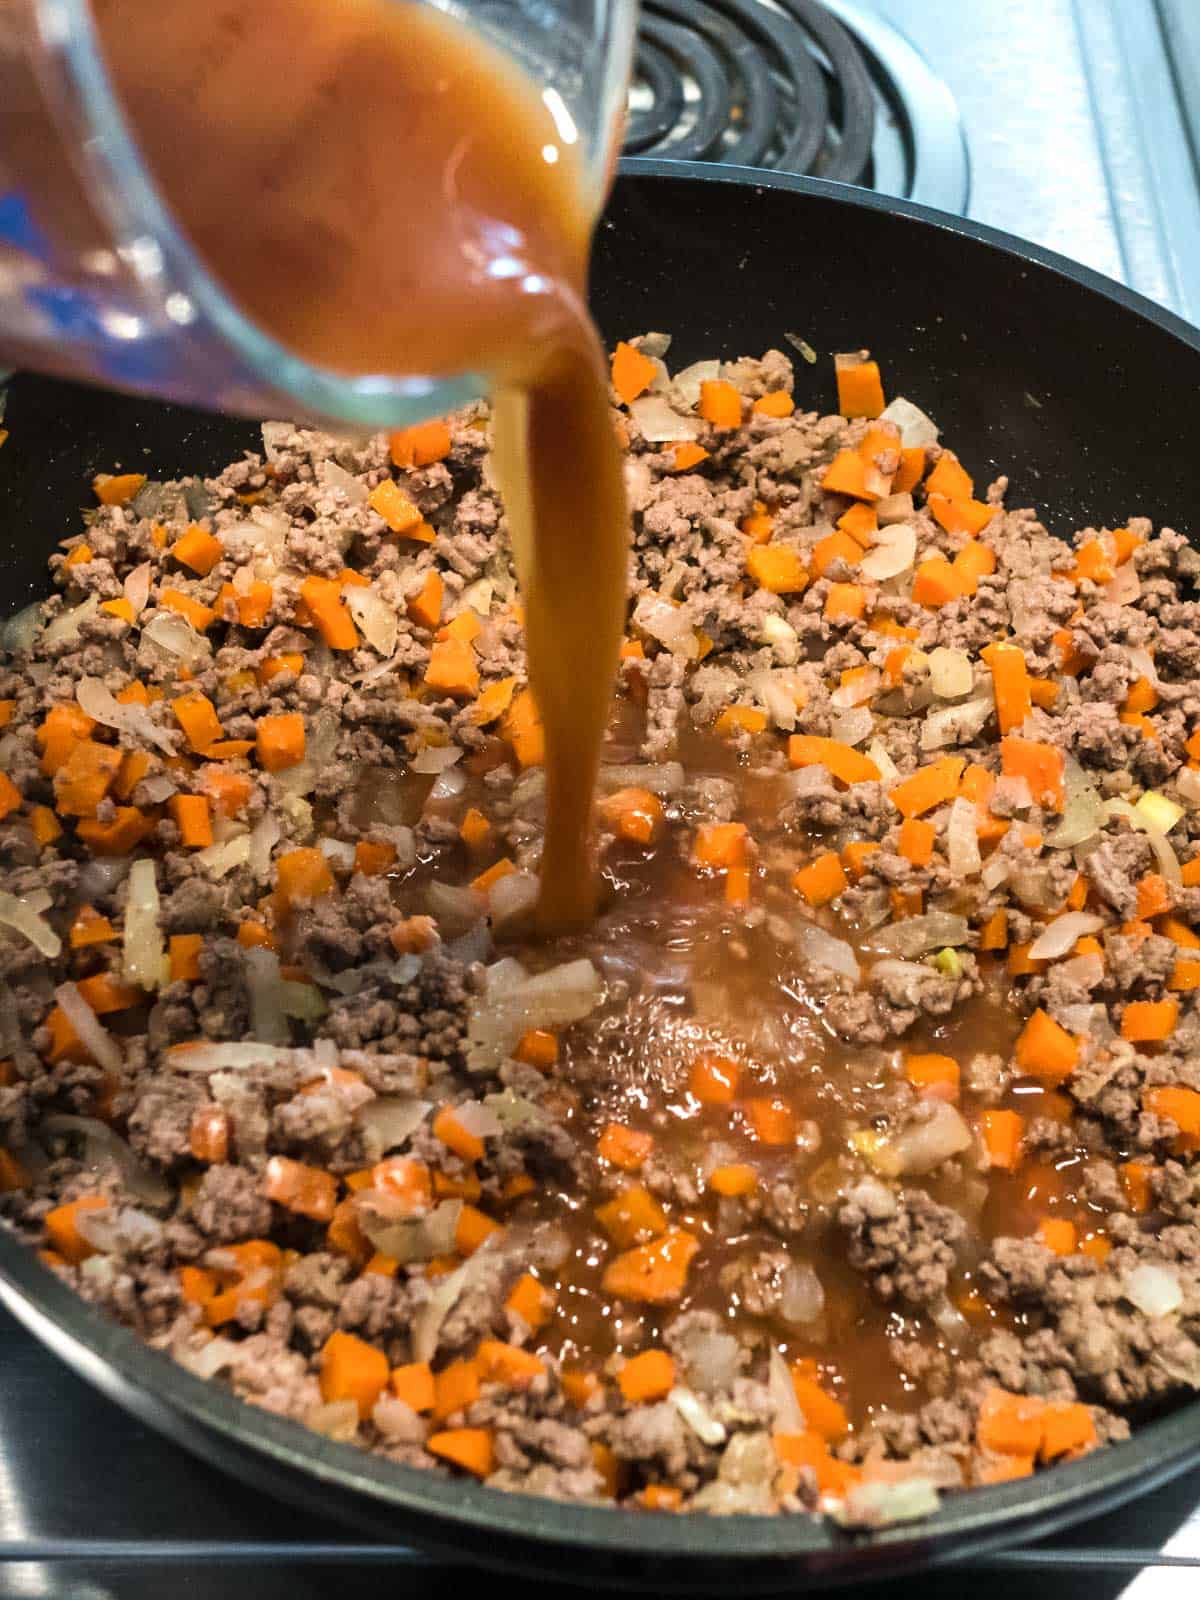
{"x": 1084, "y": 392}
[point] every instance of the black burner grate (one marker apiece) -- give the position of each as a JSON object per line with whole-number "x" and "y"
{"x": 822, "y": 87}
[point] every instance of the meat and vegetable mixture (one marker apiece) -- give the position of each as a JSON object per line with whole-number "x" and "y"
{"x": 849, "y": 1157}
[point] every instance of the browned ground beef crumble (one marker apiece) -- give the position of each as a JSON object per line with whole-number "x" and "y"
{"x": 937, "y": 1288}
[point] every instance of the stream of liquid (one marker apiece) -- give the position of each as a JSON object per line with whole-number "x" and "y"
{"x": 380, "y": 189}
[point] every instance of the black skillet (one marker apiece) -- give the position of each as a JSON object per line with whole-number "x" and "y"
{"x": 1083, "y": 391}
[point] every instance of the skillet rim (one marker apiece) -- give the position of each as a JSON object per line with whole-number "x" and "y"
{"x": 525, "y": 1532}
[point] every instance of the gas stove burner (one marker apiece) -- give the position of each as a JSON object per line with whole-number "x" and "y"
{"x": 827, "y": 89}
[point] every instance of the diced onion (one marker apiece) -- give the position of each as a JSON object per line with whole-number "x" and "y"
{"x": 893, "y": 508}
{"x": 335, "y": 1419}
{"x": 664, "y": 779}
{"x": 816, "y": 779}
{"x": 178, "y": 638}
{"x": 1154, "y": 1290}
{"x": 236, "y": 1055}
{"x": 1187, "y": 781}
{"x": 339, "y": 852}
{"x": 916, "y": 429}
{"x": 955, "y": 724}
{"x": 1082, "y": 814}
{"x": 950, "y": 673}
{"x": 221, "y": 858}
{"x": 667, "y": 623}
{"x": 778, "y": 632}
{"x": 852, "y": 727}
{"x": 686, "y": 384}
{"x": 456, "y": 908}
{"x": 949, "y": 1319}
{"x": 136, "y": 587}
{"x": 962, "y": 839}
{"x": 378, "y": 620}
{"x": 208, "y": 1359}
{"x": 1142, "y": 663}
{"x": 912, "y": 936}
{"x": 553, "y": 998}
{"x": 427, "y": 1322}
{"x": 697, "y": 1416}
{"x": 879, "y": 1505}
{"x": 894, "y": 551}
{"x": 888, "y": 770}
{"x": 1168, "y": 861}
{"x": 789, "y": 1417}
{"x": 267, "y": 1021}
{"x": 776, "y": 693}
{"x": 264, "y": 533}
{"x": 1061, "y": 935}
{"x": 144, "y": 959}
{"x": 802, "y": 1299}
{"x": 98, "y": 1043}
{"x": 102, "y": 1144}
{"x": 1013, "y": 794}
{"x": 264, "y": 836}
{"x": 1124, "y": 587}
{"x": 858, "y": 691}
{"x": 336, "y": 477}
{"x": 119, "y": 1231}
{"x": 67, "y": 624}
{"x": 435, "y": 757}
{"x": 19, "y": 631}
{"x": 924, "y": 1144}
{"x": 1157, "y": 811}
{"x": 100, "y": 704}
{"x": 821, "y": 949}
{"x": 24, "y": 915}
{"x": 660, "y": 423}
{"x": 513, "y": 896}
{"x": 391, "y": 1120}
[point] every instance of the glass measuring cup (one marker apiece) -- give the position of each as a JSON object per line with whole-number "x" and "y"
{"x": 99, "y": 282}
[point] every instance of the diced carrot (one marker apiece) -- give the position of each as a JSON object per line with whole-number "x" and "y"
{"x": 916, "y": 841}
{"x": 465, "y": 627}
{"x": 1092, "y": 561}
{"x": 302, "y": 875}
{"x": 473, "y": 1449}
{"x": 85, "y": 778}
{"x": 10, "y": 796}
{"x": 473, "y": 1229}
{"x": 740, "y": 719}
{"x": 464, "y": 1187}
{"x": 910, "y": 471}
{"x": 228, "y": 791}
{"x": 1010, "y": 681}
{"x": 1045, "y": 1049}
{"x": 933, "y": 1075}
{"x": 664, "y": 1496}
{"x": 822, "y": 880}
{"x": 632, "y": 372}
{"x": 508, "y": 1364}
{"x": 809, "y": 1450}
{"x": 772, "y": 1119}
{"x": 1135, "y": 1181}
{"x": 720, "y": 404}
{"x": 1043, "y": 693}
{"x": 425, "y": 608}
{"x": 196, "y": 1285}
{"x": 413, "y": 935}
{"x": 452, "y": 669}
{"x": 1010, "y": 1424}
{"x": 323, "y": 598}
{"x": 737, "y": 885}
{"x": 194, "y": 611}
{"x": 949, "y": 478}
{"x": 191, "y": 816}
{"x": 420, "y": 446}
{"x": 46, "y": 826}
{"x": 1067, "y": 1428}
{"x": 633, "y": 814}
{"x": 776, "y": 404}
{"x": 280, "y": 741}
{"x": 1003, "y": 1133}
{"x": 537, "y": 1047}
{"x": 847, "y": 474}
{"x": 198, "y": 550}
{"x": 208, "y": 1133}
{"x": 937, "y": 583}
{"x": 685, "y": 454}
{"x": 390, "y": 502}
{"x": 1149, "y": 1021}
{"x": 837, "y": 546}
{"x": 859, "y": 386}
{"x": 994, "y": 933}
{"x": 183, "y": 950}
{"x": 860, "y": 522}
{"x": 1185, "y": 977}
{"x": 1041, "y": 765}
{"x": 1175, "y": 1104}
{"x": 653, "y": 1273}
{"x": 714, "y": 1079}
{"x": 632, "y": 1216}
{"x": 1096, "y": 1246}
{"x": 255, "y": 936}
{"x": 447, "y": 1128}
{"x": 124, "y": 831}
{"x": 81, "y": 554}
{"x": 824, "y": 1415}
{"x": 843, "y": 761}
{"x": 778, "y": 568}
{"x": 62, "y": 1228}
{"x": 624, "y": 1147}
{"x": 928, "y": 787}
{"x": 721, "y": 845}
{"x": 499, "y": 869}
{"x": 647, "y": 1377}
{"x": 407, "y": 1183}
{"x": 531, "y": 1301}
{"x": 961, "y": 516}
{"x": 104, "y": 994}
{"x": 1153, "y": 897}
{"x": 309, "y": 1191}
{"x": 733, "y": 1180}
{"x": 372, "y": 858}
{"x": 414, "y": 1384}
{"x": 117, "y": 490}
{"x": 197, "y": 717}
{"x": 856, "y": 854}
{"x": 845, "y": 602}
{"x": 90, "y": 928}
{"x": 1059, "y": 1235}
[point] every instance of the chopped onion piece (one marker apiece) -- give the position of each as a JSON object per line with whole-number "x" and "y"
{"x": 789, "y": 1417}
{"x": 879, "y": 1505}
{"x": 100, "y": 704}
{"x": 821, "y": 949}
{"x": 339, "y": 852}
{"x": 1082, "y": 814}
{"x": 962, "y": 839}
{"x": 1167, "y": 859}
{"x": 98, "y": 1043}
{"x": 893, "y": 508}
{"x": 776, "y": 693}
{"x": 221, "y": 858}
{"x": 1187, "y": 781}
{"x": 378, "y": 620}
{"x": 435, "y": 757}
{"x": 1154, "y": 1290}
{"x": 67, "y": 624}
{"x": 956, "y": 724}
{"x": 335, "y": 1419}
{"x": 916, "y": 429}
{"x": 456, "y": 908}
{"x": 553, "y": 998}
{"x": 661, "y": 423}
{"x": 667, "y": 623}
{"x": 950, "y": 673}
{"x": 697, "y": 1416}
{"x": 19, "y": 631}
{"x": 477, "y": 1119}
{"x": 177, "y": 637}
{"x": 336, "y": 477}
{"x": 778, "y": 632}
{"x": 664, "y": 779}
{"x": 274, "y": 436}
{"x": 101, "y": 1144}
{"x": 937, "y": 1134}
{"x": 802, "y": 1298}
{"x": 210, "y": 1358}
{"x": 894, "y": 551}
{"x": 1157, "y": 811}
{"x": 889, "y": 772}
{"x": 1124, "y": 587}
{"x": 912, "y": 936}
{"x": 1014, "y": 794}
{"x": 267, "y": 1021}
{"x": 859, "y": 691}
{"x": 1061, "y": 935}
{"x": 24, "y": 915}
{"x": 1142, "y": 663}
{"x": 427, "y": 1323}
{"x": 687, "y": 383}
{"x": 264, "y": 836}
{"x": 136, "y": 587}
{"x": 513, "y": 896}
{"x": 852, "y": 727}
{"x": 451, "y": 782}
{"x": 144, "y": 958}
{"x": 234, "y": 1056}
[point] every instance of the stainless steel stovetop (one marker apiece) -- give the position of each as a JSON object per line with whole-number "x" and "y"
{"x": 1075, "y": 123}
